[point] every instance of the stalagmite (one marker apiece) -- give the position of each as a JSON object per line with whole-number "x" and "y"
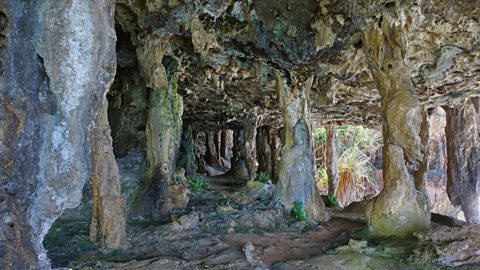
{"x": 463, "y": 158}
{"x": 108, "y": 219}
{"x": 400, "y": 208}
{"x": 296, "y": 179}
{"x": 332, "y": 158}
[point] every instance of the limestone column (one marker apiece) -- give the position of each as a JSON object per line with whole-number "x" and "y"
{"x": 163, "y": 131}
{"x": 332, "y": 158}
{"x": 421, "y": 173}
{"x": 187, "y": 151}
{"x": 224, "y": 144}
{"x": 400, "y": 208}
{"x": 244, "y": 160}
{"x": 276, "y": 147}
{"x": 108, "y": 220}
{"x": 296, "y": 179}
{"x": 239, "y": 168}
{"x": 212, "y": 154}
{"x": 463, "y": 158}
{"x": 251, "y": 145}
{"x": 264, "y": 152}
{"x": 200, "y": 140}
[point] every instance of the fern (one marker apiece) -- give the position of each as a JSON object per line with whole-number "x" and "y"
{"x": 298, "y": 211}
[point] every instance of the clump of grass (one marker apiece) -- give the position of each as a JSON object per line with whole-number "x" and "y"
{"x": 332, "y": 201}
{"x": 298, "y": 211}
{"x": 230, "y": 111}
{"x": 263, "y": 177}
{"x": 197, "y": 184}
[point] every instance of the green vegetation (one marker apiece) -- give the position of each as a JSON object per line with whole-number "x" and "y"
{"x": 197, "y": 183}
{"x": 298, "y": 211}
{"x": 309, "y": 226}
{"x": 320, "y": 136}
{"x": 263, "y": 177}
{"x": 229, "y": 111}
{"x": 178, "y": 178}
{"x": 358, "y": 147}
{"x": 322, "y": 177}
{"x": 332, "y": 201}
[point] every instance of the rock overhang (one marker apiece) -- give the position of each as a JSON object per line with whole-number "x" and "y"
{"x": 229, "y": 51}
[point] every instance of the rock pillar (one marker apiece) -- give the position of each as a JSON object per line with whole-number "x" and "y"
{"x": 161, "y": 193}
{"x": 296, "y": 178}
{"x": 250, "y": 148}
{"x": 56, "y": 66}
{"x": 264, "y": 152}
{"x": 108, "y": 220}
{"x": 244, "y": 160}
{"x": 187, "y": 151}
{"x": 332, "y": 158}
{"x": 463, "y": 158}
{"x": 400, "y": 208}
{"x": 276, "y": 147}
{"x": 213, "y": 150}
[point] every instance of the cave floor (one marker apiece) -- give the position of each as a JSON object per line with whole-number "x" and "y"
{"x": 224, "y": 228}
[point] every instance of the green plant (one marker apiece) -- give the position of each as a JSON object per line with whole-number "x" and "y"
{"x": 178, "y": 178}
{"x": 320, "y": 136}
{"x": 322, "y": 177}
{"x": 298, "y": 211}
{"x": 332, "y": 201}
{"x": 229, "y": 111}
{"x": 197, "y": 183}
{"x": 309, "y": 226}
{"x": 354, "y": 169}
{"x": 263, "y": 177}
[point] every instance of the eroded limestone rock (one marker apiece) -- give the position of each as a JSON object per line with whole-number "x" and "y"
{"x": 332, "y": 158}
{"x": 463, "y": 155}
{"x": 244, "y": 160}
{"x": 187, "y": 151}
{"x": 296, "y": 179}
{"x": 450, "y": 246}
{"x": 108, "y": 218}
{"x": 436, "y": 184}
{"x": 400, "y": 208}
{"x": 61, "y": 64}
{"x": 161, "y": 193}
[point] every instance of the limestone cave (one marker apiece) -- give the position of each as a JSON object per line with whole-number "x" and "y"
{"x": 240, "y": 134}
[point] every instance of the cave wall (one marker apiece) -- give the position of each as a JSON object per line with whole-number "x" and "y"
{"x": 60, "y": 66}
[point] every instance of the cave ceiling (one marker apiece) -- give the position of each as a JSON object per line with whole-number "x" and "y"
{"x": 226, "y": 53}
